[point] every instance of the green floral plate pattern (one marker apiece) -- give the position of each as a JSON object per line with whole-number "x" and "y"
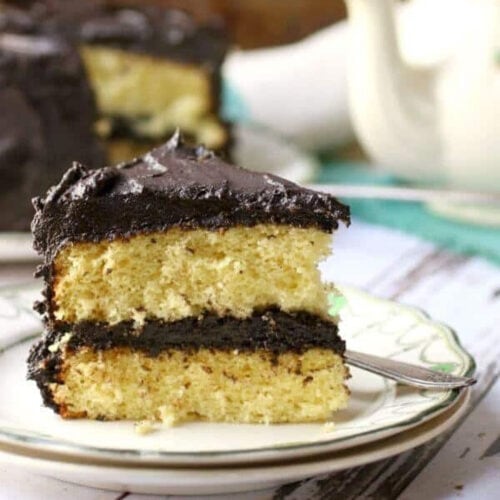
{"x": 378, "y": 408}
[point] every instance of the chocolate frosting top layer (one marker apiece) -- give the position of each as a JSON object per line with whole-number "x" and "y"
{"x": 173, "y": 185}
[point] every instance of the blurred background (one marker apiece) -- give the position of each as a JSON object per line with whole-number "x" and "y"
{"x": 259, "y": 23}
{"x": 399, "y": 98}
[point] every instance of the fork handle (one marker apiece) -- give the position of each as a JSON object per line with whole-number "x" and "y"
{"x": 406, "y": 373}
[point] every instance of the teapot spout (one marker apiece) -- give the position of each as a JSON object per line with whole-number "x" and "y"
{"x": 392, "y": 104}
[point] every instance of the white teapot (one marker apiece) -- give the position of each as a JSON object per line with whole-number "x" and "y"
{"x": 435, "y": 125}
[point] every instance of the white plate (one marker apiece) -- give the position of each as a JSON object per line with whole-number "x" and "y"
{"x": 17, "y": 247}
{"x": 202, "y": 481}
{"x": 378, "y": 408}
{"x": 254, "y": 148}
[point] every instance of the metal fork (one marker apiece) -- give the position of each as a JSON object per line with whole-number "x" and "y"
{"x": 407, "y": 194}
{"x": 407, "y": 373}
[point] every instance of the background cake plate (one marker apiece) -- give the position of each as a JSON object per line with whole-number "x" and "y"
{"x": 217, "y": 480}
{"x": 17, "y": 247}
{"x": 378, "y": 408}
{"x": 254, "y": 147}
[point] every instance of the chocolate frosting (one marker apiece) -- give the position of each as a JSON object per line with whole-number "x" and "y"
{"x": 271, "y": 331}
{"x": 159, "y": 31}
{"x": 46, "y": 121}
{"x": 173, "y": 185}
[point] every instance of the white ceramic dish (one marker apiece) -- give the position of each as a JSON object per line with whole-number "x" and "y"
{"x": 254, "y": 148}
{"x": 202, "y": 481}
{"x": 378, "y": 408}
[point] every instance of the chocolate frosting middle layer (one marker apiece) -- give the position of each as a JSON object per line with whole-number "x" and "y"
{"x": 173, "y": 185}
{"x": 271, "y": 329}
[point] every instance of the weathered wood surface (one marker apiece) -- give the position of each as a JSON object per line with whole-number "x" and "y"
{"x": 463, "y": 463}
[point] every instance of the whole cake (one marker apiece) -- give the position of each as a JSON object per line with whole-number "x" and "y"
{"x": 47, "y": 114}
{"x": 122, "y": 79}
{"x": 179, "y": 287}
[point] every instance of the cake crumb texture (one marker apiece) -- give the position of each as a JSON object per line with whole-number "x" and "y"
{"x": 144, "y": 427}
{"x": 183, "y": 273}
{"x": 217, "y": 386}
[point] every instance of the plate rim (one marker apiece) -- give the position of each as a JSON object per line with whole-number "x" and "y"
{"x": 288, "y": 472}
{"x": 286, "y": 450}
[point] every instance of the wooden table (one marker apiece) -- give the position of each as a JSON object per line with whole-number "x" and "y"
{"x": 463, "y": 292}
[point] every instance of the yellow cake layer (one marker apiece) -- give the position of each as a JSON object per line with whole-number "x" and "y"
{"x": 183, "y": 273}
{"x": 207, "y": 385}
{"x": 156, "y": 94}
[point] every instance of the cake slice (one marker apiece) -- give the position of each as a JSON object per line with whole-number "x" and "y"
{"x": 181, "y": 287}
{"x": 153, "y": 70}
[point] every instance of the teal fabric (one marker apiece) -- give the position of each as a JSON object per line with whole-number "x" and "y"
{"x": 233, "y": 106}
{"x": 412, "y": 218}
